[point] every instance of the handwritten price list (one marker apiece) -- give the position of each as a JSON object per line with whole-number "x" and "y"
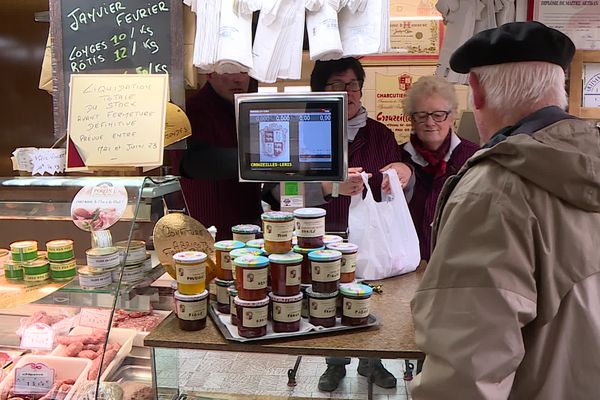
{"x": 128, "y": 35}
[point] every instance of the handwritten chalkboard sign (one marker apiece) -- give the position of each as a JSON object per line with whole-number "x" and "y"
{"x": 126, "y": 36}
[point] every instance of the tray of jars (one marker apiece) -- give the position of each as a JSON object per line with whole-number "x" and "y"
{"x": 261, "y": 331}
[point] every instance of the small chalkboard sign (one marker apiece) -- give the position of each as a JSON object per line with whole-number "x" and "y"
{"x": 113, "y": 37}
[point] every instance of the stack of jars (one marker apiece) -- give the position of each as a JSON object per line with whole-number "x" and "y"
{"x": 61, "y": 257}
{"x": 28, "y": 264}
{"x": 191, "y": 296}
{"x": 137, "y": 261}
{"x": 102, "y": 262}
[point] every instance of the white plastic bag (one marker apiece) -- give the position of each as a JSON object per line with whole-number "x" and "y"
{"x": 384, "y": 232}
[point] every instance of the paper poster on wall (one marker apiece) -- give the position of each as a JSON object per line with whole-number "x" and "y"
{"x": 116, "y": 120}
{"x": 389, "y": 92}
{"x": 577, "y": 19}
{"x": 591, "y": 85}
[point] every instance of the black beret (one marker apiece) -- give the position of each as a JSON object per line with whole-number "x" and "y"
{"x": 513, "y": 42}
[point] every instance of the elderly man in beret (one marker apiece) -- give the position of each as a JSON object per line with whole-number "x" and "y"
{"x": 509, "y": 305}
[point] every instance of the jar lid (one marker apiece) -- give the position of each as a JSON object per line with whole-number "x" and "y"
{"x": 25, "y": 244}
{"x": 251, "y": 303}
{"x": 232, "y": 291}
{"x": 245, "y": 251}
{"x": 343, "y": 247}
{"x": 324, "y": 255}
{"x": 309, "y": 212}
{"x": 191, "y": 297}
{"x": 287, "y": 258}
{"x": 304, "y": 250}
{"x": 228, "y": 245}
{"x": 223, "y": 282}
{"x": 251, "y": 261}
{"x": 311, "y": 293}
{"x": 255, "y": 243}
{"x": 101, "y": 251}
{"x": 59, "y": 243}
{"x": 277, "y": 216}
{"x": 189, "y": 257}
{"x": 134, "y": 244}
{"x": 245, "y": 228}
{"x": 356, "y": 289}
{"x": 36, "y": 263}
{"x": 286, "y": 299}
{"x": 328, "y": 239}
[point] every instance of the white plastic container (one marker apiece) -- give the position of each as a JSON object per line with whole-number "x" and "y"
{"x": 64, "y": 368}
{"x": 119, "y": 335}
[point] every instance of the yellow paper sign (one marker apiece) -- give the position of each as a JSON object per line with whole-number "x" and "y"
{"x": 177, "y": 126}
{"x": 117, "y": 119}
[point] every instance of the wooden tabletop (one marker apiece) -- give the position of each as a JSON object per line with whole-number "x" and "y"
{"x": 393, "y": 338}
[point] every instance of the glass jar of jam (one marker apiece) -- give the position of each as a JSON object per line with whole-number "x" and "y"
{"x": 286, "y": 312}
{"x": 321, "y": 308}
{"x": 251, "y": 277}
{"x": 310, "y": 227}
{"x": 256, "y": 243}
{"x": 278, "y": 227}
{"x": 330, "y": 239}
{"x": 232, "y": 291}
{"x": 325, "y": 270}
{"x": 306, "y": 269}
{"x": 190, "y": 267}
{"x": 191, "y": 310}
{"x": 348, "y": 262}
{"x": 245, "y": 232}
{"x": 252, "y": 317}
{"x": 223, "y": 257}
{"x": 355, "y": 304}
{"x": 222, "y": 295}
{"x": 285, "y": 273}
{"x": 244, "y": 251}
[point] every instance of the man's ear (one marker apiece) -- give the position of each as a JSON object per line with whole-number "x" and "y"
{"x": 477, "y": 91}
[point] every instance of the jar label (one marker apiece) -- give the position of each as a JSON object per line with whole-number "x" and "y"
{"x": 326, "y": 271}
{"x": 222, "y": 295}
{"x": 255, "y": 278}
{"x": 191, "y": 274}
{"x": 278, "y": 231}
{"x": 191, "y": 310}
{"x": 310, "y": 227}
{"x": 322, "y": 308}
{"x": 287, "y": 312}
{"x": 254, "y": 317}
{"x": 348, "y": 263}
{"x": 225, "y": 260}
{"x": 292, "y": 275}
{"x": 356, "y": 308}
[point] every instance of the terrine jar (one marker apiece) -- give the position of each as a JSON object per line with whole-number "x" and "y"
{"x": 23, "y": 251}
{"x": 223, "y": 257}
{"x": 285, "y": 273}
{"x": 36, "y": 271}
{"x": 232, "y": 291}
{"x": 13, "y": 270}
{"x": 137, "y": 251}
{"x": 252, "y": 317}
{"x": 310, "y": 227}
{"x": 190, "y": 267}
{"x": 286, "y": 312}
{"x": 355, "y": 304}
{"x": 60, "y": 250}
{"x": 223, "y": 305}
{"x": 306, "y": 269}
{"x": 325, "y": 270}
{"x": 251, "y": 274}
{"x": 89, "y": 279}
{"x": 245, "y": 232}
{"x": 63, "y": 271}
{"x": 322, "y": 308}
{"x": 348, "y": 262}
{"x": 105, "y": 258}
{"x": 191, "y": 310}
{"x": 278, "y": 227}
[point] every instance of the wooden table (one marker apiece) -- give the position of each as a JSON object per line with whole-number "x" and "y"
{"x": 394, "y": 338}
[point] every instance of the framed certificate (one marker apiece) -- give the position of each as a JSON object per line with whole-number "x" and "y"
{"x": 584, "y": 84}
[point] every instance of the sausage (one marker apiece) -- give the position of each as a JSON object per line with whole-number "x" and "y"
{"x": 108, "y": 357}
{"x": 73, "y": 349}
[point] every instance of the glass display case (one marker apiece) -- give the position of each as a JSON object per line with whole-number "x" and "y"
{"x": 56, "y": 321}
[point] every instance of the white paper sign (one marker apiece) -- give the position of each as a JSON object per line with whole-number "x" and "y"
{"x": 37, "y": 336}
{"x": 98, "y": 207}
{"x": 40, "y": 161}
{"x": 94, "y": 318}
{"x": 34, "y": 378}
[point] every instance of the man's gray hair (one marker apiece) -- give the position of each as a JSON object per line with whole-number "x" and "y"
{"x": 522, "y": 86}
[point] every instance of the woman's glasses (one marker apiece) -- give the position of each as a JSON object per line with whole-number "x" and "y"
{"x": 352, "y": 86}
{"x": 437, "y": 116}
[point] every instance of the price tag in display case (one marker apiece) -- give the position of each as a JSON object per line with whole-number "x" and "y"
{"x": 34, "y": 378}
{"x": 94, "y": 318}
{"x": 37, "y": 336}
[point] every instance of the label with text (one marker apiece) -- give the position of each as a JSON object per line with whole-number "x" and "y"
{"x": 33, "y": 379}
{"x": 326, "y": 271}
{"x": 278, "y": 231}
{"x": 191, "y": 274}
{"x": 38, "y": 336}
{"x": 287, "y": 312}
{"x": 255, "y": 278}
{"x": 292, "y": 275}
{"x": 94, "y": 318}
{"x": 254, "y": 317}
{"x": 322, "y": 308}
{"x": 310, "y": 227}
{"x": 191, "y": 311}
{"x": 348, "y": 263}
{"x": 356, "y": 308}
